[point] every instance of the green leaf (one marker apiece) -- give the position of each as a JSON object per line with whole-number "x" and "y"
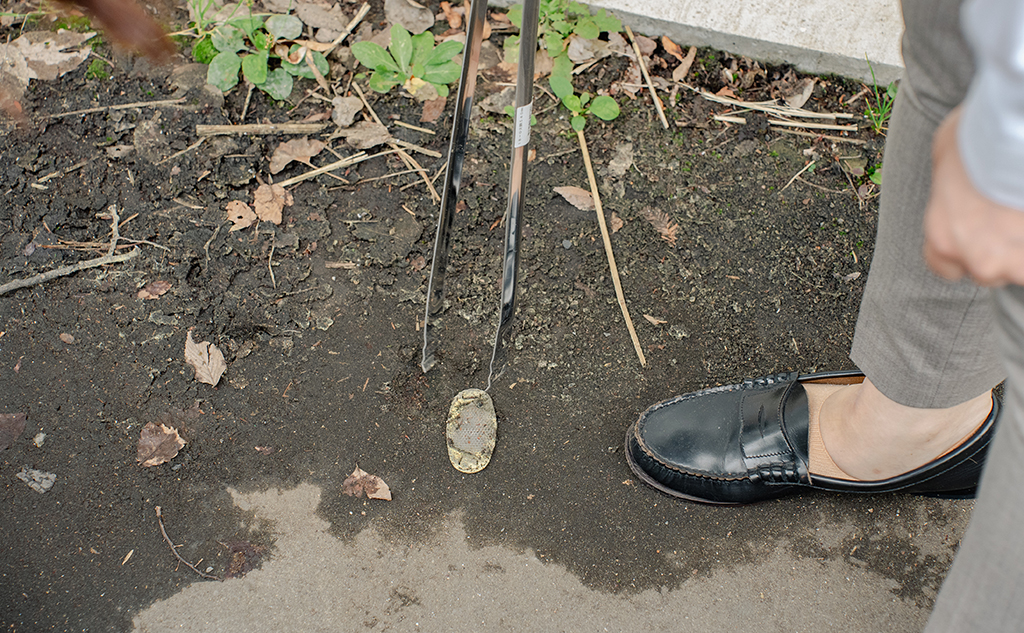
{"x": 443, "y": 74}
{"x": 278, "y": 84}
{"x": 563, "y": 27}
{"x": 606, "y": 22}
{"x": 442, "y": 90}
{"x": 401, "y": 47}
{"x": 444, "y": 53}
{"x": 227, "y": 38}
{"x": 203, "y": 51}
{"x": 554, "y": 43}
{"x": 509, "y": 110}
{"x": 561, "y": 77}
{"x": 422, "y": 44}
{"x": 374, "y": 56}
{"x": 584, "y": 98}
{"x": 223, "y": 71}
{"x": 605, "y": 108}
{"x": 573, "y": 103}
{"x": 577, "y": 123}
{"x": 511, "y": 47}
{"x": 417, "y": 70}
{"x": 254, "y": 67}
{"x": 578, "y": 8}
{"x": 384, "y": 80}
{"x": 875, "y": 175}
{"x": 302, "y": 68}
{"x": 261, "y": 40}
{"x": 587, "y": 29}
{"x": 284, "y": 27}
{"x": 247, "y": 24}
{"x": 515, "y": 15}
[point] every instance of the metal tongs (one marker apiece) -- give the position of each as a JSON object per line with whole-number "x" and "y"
{"x": 453, "y": 180}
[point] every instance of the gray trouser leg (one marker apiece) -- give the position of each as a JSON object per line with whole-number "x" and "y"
{"x": 984, "y": 592}
{"x": 923, "y": 341}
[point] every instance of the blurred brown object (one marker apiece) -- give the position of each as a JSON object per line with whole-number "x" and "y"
{"x": 128, "y": 24}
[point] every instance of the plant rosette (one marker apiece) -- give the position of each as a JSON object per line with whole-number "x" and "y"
{"x": 411, "y": 61}
{"x": 603, "y": 107}
{"x": 560, "y": 19}
{"x": 251, "y": 45}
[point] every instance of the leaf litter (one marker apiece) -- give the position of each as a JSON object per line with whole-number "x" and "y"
{"x": 206, "y": 359}
{"x": 269, "y": 202}
{"x": 662, "y": 223}
{"x": 360, "y": 482}
{"x": 577, "y": 197}
{"x": 158, "y": 443}
{"x": 240, "y": 215}
{"x": 300, "y": 149}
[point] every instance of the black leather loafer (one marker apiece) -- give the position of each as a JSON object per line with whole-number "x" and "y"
{"x": 746, "y": 443}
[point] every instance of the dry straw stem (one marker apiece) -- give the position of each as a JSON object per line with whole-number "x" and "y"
{"x": 409, "y": 161}
{"x": 345, "y": 162}
{"x": 363, "y": 10}
{"x": 771, "y": 107}
{"x": 776, "y": 122}
{"x": 109, "y": 258}
{"x": 123, "y": 106}
{"x": 608, "y": 249}
{"x": 838, "y": 139}
{"x": 260, "y": 129}
{"x": 650, "y": 84}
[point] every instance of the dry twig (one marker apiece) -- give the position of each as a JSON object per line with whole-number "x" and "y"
{"x": 124, "y": 106}
{"x": 160, "y": 520}
{"x": 608, "y": 249}
{"x": 109, "y": 258}
{"x": 647, "y": 76}
{"x": 260, "y": 128}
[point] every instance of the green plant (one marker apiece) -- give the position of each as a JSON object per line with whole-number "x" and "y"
{"x": 559, "y": 20}
{"x": 603, "y": 107}
{"x": 879, "y": 113}
{"x": 97, "y": 70}
{"x": 874, "y": 174}
{"x": 251, "y": 44}
{"x": 411, "y": 61}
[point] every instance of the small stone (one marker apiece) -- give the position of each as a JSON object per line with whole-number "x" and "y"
{"x": 39, "y": 439}
{"x": 566, "y": 244}
{"x": 36, "y": 479}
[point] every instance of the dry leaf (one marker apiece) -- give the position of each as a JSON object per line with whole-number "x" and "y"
{"x": 345, "y": 110}
{"x": 67, "y": 338}
{"x": 671, "y": 48}
{"x": 646, "y": 45}
{"x": 269, "y": 200}
{"x": 616, "y": 222}
{"x": 240, "y": 215}
{"x": 361, "y": 481}
{"x": 579, "y": 198}
{"x": 683, "y": 69}
{"x": 300, "y": 149}
{"x": 655, "y": 320}
{"x": 798, "y": 94}
{"x": 432, "y": 110}
{"x": 366, "y": 134}
{"x": 662, "y": 223}
{"x": 154, "y": 289}
{"x": 158, "y": 444}
{"x": 12, "y": 425}
{"x": 413, "y": 16}
{"x": 206, "y": 359}
{"x": 726, "y": 92}
{"x": 454, "y": 17}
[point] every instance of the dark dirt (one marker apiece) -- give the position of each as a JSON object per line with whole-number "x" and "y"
{"x": 323, "y": 366}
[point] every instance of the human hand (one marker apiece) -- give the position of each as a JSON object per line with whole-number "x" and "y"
{"x": 966, "y": 233}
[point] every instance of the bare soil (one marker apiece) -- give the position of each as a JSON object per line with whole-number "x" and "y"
{"x": 323, "y": 362}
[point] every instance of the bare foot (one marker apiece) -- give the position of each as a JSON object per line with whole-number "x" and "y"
{"x": 870, "y": 437}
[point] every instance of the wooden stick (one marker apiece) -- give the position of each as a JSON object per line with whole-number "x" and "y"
{"x": 797, "y": 175}
{"x": 608, "y": 249}
{"x": 184, "y": 151}
{"x": 413, "y": 127}
{"x": 417, "y": 148}
{"x": 855, "y": 141}
{"x": 345, "y": 162}
{"x": 124, "y": 106}
{"x": 650, "y": 84}
{"x": 363, "y": 10}
{"x": 771, "y": 107}
{"x": 260, "y": 128}
{"x": 408, "y": 160}
{"x": 159, "y": 519}
{"x": 776, "y": 122}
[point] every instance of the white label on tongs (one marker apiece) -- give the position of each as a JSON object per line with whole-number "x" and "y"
{"x": 523, "y": 116}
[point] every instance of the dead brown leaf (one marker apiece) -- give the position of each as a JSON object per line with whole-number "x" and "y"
{"x": 672, "y": 48}
{"x": 270, "y": 200}
{"x": 158, "y": 444}
{"x": 240, "y": 215}
{"x": 154, "y": 289}
{"x": 454, "y": 17}
{"x": 662, "y": 223}
{"x": 683, "y": 69}
{"x": 361, "y": 481}
{"x": 67, "y": 338}
{"x": 579, "y": 198}
{"x": 655, "y": 320}
{"x": 300, "y": 149}
{"x": 616, "y": 222}
{"x": 432, "y": 109}
{"x": 365, "y": 134}
{"x": 207, "y": 360}
{"x": 12, "y": 425}
{"x": 646, "y": 45}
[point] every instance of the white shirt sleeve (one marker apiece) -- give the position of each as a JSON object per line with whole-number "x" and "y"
{"x": 991, "y": 133}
